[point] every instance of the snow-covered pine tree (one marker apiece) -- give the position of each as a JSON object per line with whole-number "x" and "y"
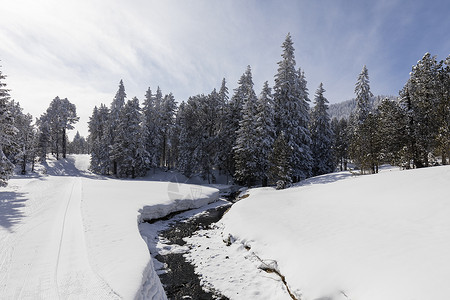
{"x": 245, "y": 146}
{"x": 233, "y": 115}
{"x": 420, "y": 99}
{"x": 340, "y": 142}
{"x": 198, "y": 138}
{"x": 129, "y": 150}
{"x": 363, "y": 94}
{"x": 443, "y": 92}
{"x": 392, "y": 131}
{"x": 60, "y": 117}
{"x": 114, "y": 119}
{"x": 78, "y": 145}
{"x": 67, "y": 117}
{"x": 151, "y": 119}
{"x": 280, "y": 171}
{"x": 224, "y": 159}
{"x": 176, "y": 134}
{"x": 292, "y": 111}
{"x": 265, "y": 132}
{"x": 43, "y": 137}
{"x": 7, "y": 132}
{"x": 159, "y": 125}
{"x": 168, "y": 111}
{"x": 321, "y": 135}
{"x": 99, "y": 138}
{"x": 211, "y": 119}
{"x": 360, "y": 138}
{"x": 23, "y": 146}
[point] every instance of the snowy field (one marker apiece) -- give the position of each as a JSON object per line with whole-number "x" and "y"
{"x": 337, "y": 236}
{"x": 71, "y": 234}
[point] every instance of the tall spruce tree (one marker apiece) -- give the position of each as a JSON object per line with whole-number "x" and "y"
{"x": 321, "y": 135}
{"x": 232, "y": 117}
{"x": 129, "y": 150}
{"x": 151, "y": 132}
{"x": 99, "y": 132}
{"x": 23, "y": 146}
{"x": 245, "y": 154}
{"x": 420, "y": 99}
{"x": 292, "y": 111}
{"x": 7, "y": 132}
{"x": 265, "y": 132}
{"x": 360, "y": 136}
{"x": 114, "y": 119}
{"x": 167, "y": 113}
{"x": 392, "y": 132}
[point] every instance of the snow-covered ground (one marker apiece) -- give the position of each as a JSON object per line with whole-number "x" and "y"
{"x": 71, "y": 234}
{"x": 337, "y": 236}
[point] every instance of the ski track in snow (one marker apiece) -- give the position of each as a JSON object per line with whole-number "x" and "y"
{"x": 44, "y": 256}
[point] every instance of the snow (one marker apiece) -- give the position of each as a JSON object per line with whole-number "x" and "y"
{"x": 71, "y": 234}
{"x": 335, "y": 236}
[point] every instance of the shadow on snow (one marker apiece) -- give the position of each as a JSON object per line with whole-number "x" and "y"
{"x": 11, "y": 204}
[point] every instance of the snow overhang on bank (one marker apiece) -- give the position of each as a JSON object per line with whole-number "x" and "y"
{"x": 112, "y": 210}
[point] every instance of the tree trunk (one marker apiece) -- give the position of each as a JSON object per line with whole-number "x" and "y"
{"x": 24, "y": 165}
{"x": 64, "y": 142}
{"x": 264, "y": 181}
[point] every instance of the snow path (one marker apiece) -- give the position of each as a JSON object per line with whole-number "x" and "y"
{"x": 68, "y": 233}
{"x": 44, "y": 255}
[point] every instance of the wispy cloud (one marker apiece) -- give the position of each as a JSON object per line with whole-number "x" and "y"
{"x": 81, "y": 49}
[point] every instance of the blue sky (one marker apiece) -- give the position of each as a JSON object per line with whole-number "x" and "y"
{"x": 81, "y": 49}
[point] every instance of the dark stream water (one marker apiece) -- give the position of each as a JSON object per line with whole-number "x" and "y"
{"x": 180, "y": 280}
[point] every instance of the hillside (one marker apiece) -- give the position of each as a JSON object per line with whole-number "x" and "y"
{"x": 338, "y": 236}
{"x": 345, "y": 108}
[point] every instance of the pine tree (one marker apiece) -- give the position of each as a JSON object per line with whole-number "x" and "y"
{"x": 280, "y": 171}
{"x": 184, "y": 158}
{"x": 225, "y": 160}
{"x": 392, "y": 132}
{"x": 100, "y": 140}
{"x": 78, "y": 145}
{"x": 198, "y": 139}
{"x": 443, "y": 115}
{"x": 264, "y": 132}
{"x": 420, "y": 99}
{"x": 60, "y": 117}
{"x": 363, "y": 94}
{"x": 129, "y": 150}
{"x": 7, "y": 132}
{"x": 245, "y": 147}
{"x": 340, "y": 142}
{"x": 44, "y": 138}
{"x": 114, "y": 119}
{"x": 360, "y": 137}
{"x": 292, "y": 111}
{"x": 23, "y": 145}
{"x": 151, "y": 131}
{"x": 232, "y": 117}
{"x": 321, "y": 135}
{"x": 168, "y": 111}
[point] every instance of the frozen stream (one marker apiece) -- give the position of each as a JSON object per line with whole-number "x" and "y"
{"x": 165, "y": 241}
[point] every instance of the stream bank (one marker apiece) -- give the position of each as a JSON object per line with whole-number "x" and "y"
{"x": 165, "y": 241}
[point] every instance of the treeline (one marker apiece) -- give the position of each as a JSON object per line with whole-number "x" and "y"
{"x": 24, "y": 141}
{"x": 275, "y": 137}
{"x": 272, "y": 138}
{"x": 412, "y": 131}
